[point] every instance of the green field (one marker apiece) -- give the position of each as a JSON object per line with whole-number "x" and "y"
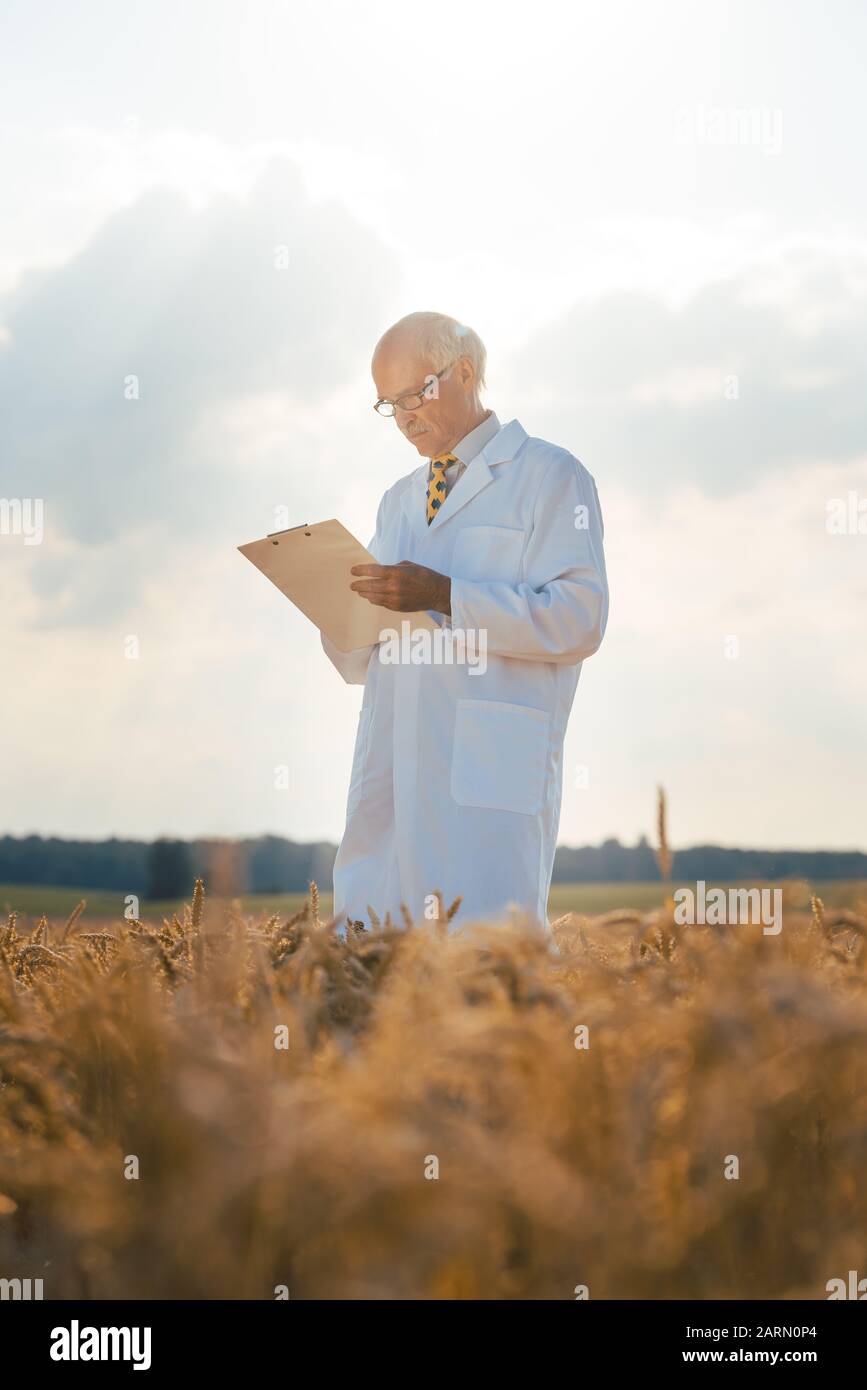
{"x": 31, "y": 902}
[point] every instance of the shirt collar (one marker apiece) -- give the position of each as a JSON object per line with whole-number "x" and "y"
{"x": 474, "y": 442}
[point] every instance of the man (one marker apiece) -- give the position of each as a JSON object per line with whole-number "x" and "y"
{"x": 457, "y": 776}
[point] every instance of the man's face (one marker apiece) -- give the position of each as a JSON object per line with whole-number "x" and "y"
{"x": 440, "y": 421}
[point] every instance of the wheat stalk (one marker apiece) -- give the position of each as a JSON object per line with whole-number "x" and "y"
{"x": 73, "y": 918}
{"x": 663, "y": 853}
{"x": 198, "y": 904}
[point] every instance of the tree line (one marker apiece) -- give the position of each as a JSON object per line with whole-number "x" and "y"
{"x": 166, "y": 868}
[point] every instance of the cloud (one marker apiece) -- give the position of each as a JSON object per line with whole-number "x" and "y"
{"x": 184, "y": 311}
{"x": 255, "y": 392}
{"x": 170, "y": 378}
{"x": 753, "y": 374}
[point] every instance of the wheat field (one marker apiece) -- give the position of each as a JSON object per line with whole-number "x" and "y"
{"x": 222, "y": 1106}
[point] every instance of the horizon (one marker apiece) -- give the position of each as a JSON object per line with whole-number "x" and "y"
{"x": 642, "y": 841}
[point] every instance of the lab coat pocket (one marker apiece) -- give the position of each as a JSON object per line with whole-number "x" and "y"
{"x": 359, "y": 761}
{"x": 500, "y": 756}
{"x": 488, "y": 553}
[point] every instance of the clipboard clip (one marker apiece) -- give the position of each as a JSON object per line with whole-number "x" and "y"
{"x": 302, "y": 527}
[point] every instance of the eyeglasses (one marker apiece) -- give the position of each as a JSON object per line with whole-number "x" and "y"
{"x": 415, "y": 399}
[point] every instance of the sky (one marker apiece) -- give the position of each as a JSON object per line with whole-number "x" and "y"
{"x": 655, "y": 216}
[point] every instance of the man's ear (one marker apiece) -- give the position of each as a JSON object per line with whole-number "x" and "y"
{"x": 466, "y": 371}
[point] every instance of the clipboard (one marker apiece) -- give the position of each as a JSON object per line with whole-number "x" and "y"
{"x": 311, "y": 565}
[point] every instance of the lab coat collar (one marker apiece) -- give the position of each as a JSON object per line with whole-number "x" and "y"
{"x": 501, "y": 449}
{"x": 474, "y": 442}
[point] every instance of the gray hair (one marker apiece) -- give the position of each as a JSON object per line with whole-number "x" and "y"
{"x": 443, "y": 339}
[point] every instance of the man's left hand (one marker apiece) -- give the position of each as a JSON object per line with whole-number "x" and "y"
{"x": 405, "y": 587}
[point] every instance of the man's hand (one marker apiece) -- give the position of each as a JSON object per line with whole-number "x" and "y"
{"x": 406, "y": 587}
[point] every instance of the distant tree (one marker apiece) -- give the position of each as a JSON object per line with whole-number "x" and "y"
{"x": 170, "y": 873}
{"x": 271, "y": 864}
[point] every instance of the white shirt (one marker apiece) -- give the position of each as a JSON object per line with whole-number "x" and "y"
{"x": 471, "y": 445}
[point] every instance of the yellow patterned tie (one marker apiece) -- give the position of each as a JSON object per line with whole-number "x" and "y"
{"x": 436, "y": 487}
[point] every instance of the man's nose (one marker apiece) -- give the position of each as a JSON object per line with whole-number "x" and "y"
{"x": 404, "y": 417}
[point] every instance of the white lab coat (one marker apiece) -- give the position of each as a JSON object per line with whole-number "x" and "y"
{"x": 457, "y": 776}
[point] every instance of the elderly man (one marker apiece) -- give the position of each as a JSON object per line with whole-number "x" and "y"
{"x": 457, "y": 776}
